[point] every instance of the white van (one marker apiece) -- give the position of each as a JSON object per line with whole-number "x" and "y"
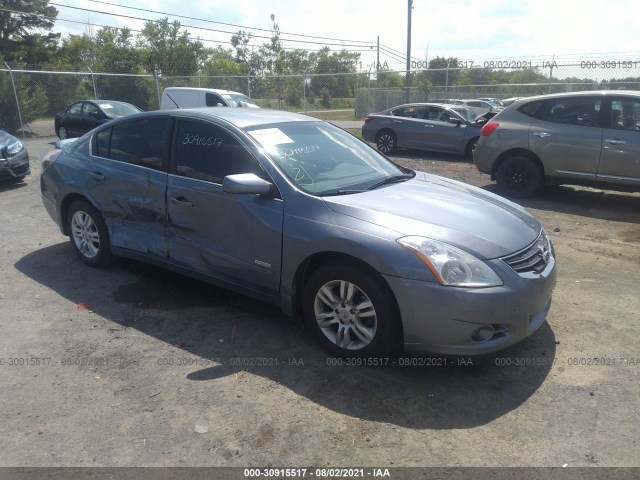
{"x": 192, "y": 97}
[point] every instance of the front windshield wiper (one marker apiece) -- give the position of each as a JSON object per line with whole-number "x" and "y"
{"x": 392, "y": 179}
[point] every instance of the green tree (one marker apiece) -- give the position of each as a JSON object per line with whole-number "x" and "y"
{"x": 167, "y": 48}
{"x": 18, "y": 21}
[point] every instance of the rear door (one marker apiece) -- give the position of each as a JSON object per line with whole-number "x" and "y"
{"x": 73, "y": 119}
{"x": 620, "y": 161}
{"x": 127, "y": 179}
{"x": 568, "y": 137}
{"x": 235, "y": 238}
{"x": 438, "y": 134}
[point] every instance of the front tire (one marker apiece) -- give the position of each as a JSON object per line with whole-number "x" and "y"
{"x": 63, "y": 133}
{"x": 88, "y": 234}
{"x": 386, "y": 142}
{"x": 352, "y": 313}
{"x": 519, "y": 177}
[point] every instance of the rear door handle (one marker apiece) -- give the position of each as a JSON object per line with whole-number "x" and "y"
{"x": 97, "y": 176}
{"x": 397, "y": 121}
{"x": 614, "y": 141}
{"x": 428, "y": 125}
{"x": 541, "y": 134}
{"x": 182, "y": 201}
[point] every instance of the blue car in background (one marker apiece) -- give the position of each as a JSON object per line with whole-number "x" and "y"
{"x": 297, "y": 212}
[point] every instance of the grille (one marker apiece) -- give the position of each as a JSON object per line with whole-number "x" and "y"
{"x": 533, "y": 259}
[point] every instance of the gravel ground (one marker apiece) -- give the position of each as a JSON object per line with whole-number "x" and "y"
{"x": 134, "y": 366}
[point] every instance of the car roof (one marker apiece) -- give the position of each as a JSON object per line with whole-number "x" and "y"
{"x": 204, "y": 89}
{"x": 237, "y": 116}
{"x": 585, "y": 93}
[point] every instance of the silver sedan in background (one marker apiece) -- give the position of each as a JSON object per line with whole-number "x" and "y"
{"x": 424, "y": 126}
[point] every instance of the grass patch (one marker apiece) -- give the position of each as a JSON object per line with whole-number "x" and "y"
{"x": 349, "y": 114}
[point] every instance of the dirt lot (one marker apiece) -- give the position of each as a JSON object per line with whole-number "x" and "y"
{"x": 133, "y": 366}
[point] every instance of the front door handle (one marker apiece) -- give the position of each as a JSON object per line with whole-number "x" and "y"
{"x": 614, "y": 141}
{"x": 428, "y": 125}
{"x": 182, "y": 201}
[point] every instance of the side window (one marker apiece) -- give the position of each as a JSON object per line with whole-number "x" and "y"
{"x": 625, "y": 115}
{"x": 208, "y": 152}
{"x": 90, "y": 108}
{"x": 401, "y": 112}
{"x": 581, "y": 111}
{"x": 532, "y": 109}
{"x": 102, "y": 143}
{"x": 212, "y": 100}
{"x": 139, "y": 142}
{"x": 75, "y": 109}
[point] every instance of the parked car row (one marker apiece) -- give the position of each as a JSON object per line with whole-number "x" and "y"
{"x": 80, "y": 117}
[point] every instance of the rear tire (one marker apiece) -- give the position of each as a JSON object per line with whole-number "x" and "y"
{"x": 352, "y": 313}
{"x": 88, "y": 234}
{"x": 386, "y": 142}
{"x": 471, "y": 147}
{"x": 519, "y": 177}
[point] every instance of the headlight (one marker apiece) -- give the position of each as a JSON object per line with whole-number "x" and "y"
{"x": 14, "y": 148}
{"x": 450, "y": 265}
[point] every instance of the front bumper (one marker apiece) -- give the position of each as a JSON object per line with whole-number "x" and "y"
{"x": 15, "y": 167}
{"x": 473, "y": 321}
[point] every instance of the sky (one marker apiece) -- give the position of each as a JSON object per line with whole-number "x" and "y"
{"x": 471, "y": 30}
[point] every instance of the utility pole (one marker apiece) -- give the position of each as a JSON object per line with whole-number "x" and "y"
{"x": 378, "y": 55}
{"x": 407, "y": 79}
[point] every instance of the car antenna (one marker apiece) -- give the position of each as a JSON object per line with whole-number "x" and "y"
{"x": 174, "y": 102}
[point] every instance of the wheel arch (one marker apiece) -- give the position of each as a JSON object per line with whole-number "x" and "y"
{"x": 523, "y": 152}
{"x": 66, "y": 203}
{"x": 315, "y": 261}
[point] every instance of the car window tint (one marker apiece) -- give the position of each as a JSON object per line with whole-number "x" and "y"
{"x": 438, "y": 114}
{"x": 625, "y": 114}
{"x": 90, "y": 108}
{"x": 581, "y": 111}
{"x": 532, "y": 109}
{"x": 208, "y": 152}
{"x": 102, "y": 143}
{"x": 76, "y": 108}
{"x": 212, "y": 100}
{"x": 412, "y": 111}
{"x": 140, "y": 142}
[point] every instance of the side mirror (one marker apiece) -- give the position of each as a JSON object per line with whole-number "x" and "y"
{"x": 246, "y": 183}
{"x": 455, "y": 121}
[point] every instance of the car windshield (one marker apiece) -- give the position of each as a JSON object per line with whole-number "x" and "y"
{"x": 118, "y": 109}
{"x": 235, "y": 98}
{"x": 322, "y": 159}
{"x": 467, "y": 114}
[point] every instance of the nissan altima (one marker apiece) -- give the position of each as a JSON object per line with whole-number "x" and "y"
{"x": 294, "y": 211}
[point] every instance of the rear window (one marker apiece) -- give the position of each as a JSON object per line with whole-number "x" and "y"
{"x": 532, "y": 109}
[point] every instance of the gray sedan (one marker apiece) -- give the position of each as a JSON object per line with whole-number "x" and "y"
{"x": 14, "y": 159}
{"x": 424, "y": 126}
{"x": 297, "y": 212}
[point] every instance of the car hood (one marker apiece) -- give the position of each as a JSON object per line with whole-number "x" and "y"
{"x": 441, "y": 209}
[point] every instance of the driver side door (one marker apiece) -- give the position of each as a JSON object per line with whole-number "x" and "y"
{"x": 236, "y": 238}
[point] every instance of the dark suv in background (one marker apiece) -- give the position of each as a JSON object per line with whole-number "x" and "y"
{"x": 582, "y": 138}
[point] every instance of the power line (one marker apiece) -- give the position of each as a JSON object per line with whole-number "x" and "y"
{"x": 204, "y": 28}
{"x": 365, "y": 43}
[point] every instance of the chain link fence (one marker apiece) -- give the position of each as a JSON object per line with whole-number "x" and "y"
{"x": 27, "y": 95}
